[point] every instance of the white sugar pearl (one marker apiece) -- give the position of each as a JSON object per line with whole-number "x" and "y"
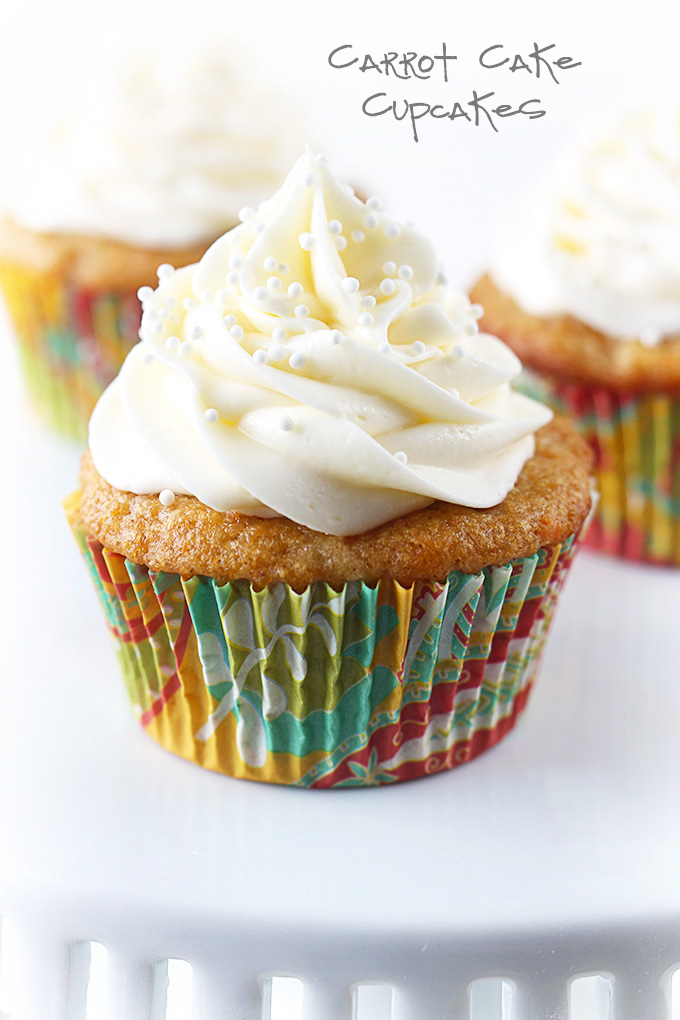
{"x": 391, "y": 231}
{"x": 341, "y": 243}
{"x": 283, "y": 268}
{"x": 476, "y": 311}
{"x": 350, "y": 285}
{"x": 389, "y": 268}
{"x": 322, "y": 157}
{"x": 260, "y": 294}
{"x": 172, "y": 343}
{"x": 309, "y": 180}
{"x": 458, "y": 351}
{"x": 295, "y": 289}
{"x": 366, "y": 319}
{"x": 196, "y": 333}
{"x": 471, "y": 329}
{"x": 164, "y": 314}
{"x": 245, "y": 213}
{"x": 232, "y": 279}
{"x": 301, "y": 311}
{"x": 169, "y": 302}
{"x": 164, "y": 271}
{"x": 158, "y": 328}
{"x": 222, "y": 297}
{"x": 336, "y": 337}
{"x": 368, "y": 301}
{"x": 388, "y": 287}
{"x": 277, "y": 353}
{"x": 385, "y": 348}
{"x": 371, "y": 221}
{"x": 258, "y": 228}
{"x": 335, "y": 226}
{"x": 148, "y": 358}
{"x": 167, "y": 497}
{"x": 306, "y": 241}
{"x": 229, "y": 321}
{"x": 405, "y": 272}
{"x": 358, "y": 236}
{"x": 235, "y": 261}
{"x": 189, "y": 304}
{"x": 270, "y": 264}
{"x": 373, "y": 203}
{"x": 278, "y": 334}
{"x": 286, "y": 423}
{"x": 144, "y": 293}
{"x": 273, "y": 283}
{"x": 211, "y": 415}
{"x": 236, "y": 332}
{"x": 419, "y": 347}
{"x": 649, "y": 337}
{"x": 297, "y": 360}
{"x": 260, "y": 357}
{"x": 185, "y": 349}
{"x": 400, "y": 457}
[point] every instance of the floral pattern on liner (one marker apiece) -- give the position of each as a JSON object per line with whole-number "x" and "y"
{"x": 72, "y": 342}
{"x": 357, "y": 687}
{"x": 636, "y": 441}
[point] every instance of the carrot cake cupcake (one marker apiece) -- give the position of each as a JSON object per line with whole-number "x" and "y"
{"x": 327, "y": 533}
{"x": 585, "y": 288}
{"x": 148, "y": 167}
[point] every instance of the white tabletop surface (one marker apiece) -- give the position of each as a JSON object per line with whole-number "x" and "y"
{"x": 572, "y": 820}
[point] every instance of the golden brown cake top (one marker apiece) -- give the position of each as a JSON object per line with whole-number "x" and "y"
{"x": 91, "y": 262}
{"x": 549, "y": 503}
{"x": 566, "y": 347}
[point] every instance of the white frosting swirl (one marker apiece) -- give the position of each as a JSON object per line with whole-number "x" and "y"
{"x": 163, "y": 151}
{"x": 329, "y": 378}
{"x": 601, "y": 240}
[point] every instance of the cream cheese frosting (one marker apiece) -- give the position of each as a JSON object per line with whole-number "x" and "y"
{"x": 314, "y": 365}
{"x": 162, "y": 152}
{"x": 600, "y": 240}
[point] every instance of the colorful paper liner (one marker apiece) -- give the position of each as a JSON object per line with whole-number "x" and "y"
{"x": 356, "y": 687}
{"x": 72, "y": 342}
{"x": 636, "y": 441}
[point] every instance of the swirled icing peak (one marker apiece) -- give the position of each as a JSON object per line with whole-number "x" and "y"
{"x": 313, "y": 365}
{"x": 601, "y": 238}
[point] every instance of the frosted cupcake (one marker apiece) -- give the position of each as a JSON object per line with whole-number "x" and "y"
{"x": 327, "y": 533}
{"x": 148, "y": 167}
{"x": 585, "y": 288}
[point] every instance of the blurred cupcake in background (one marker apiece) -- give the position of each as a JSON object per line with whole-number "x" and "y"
{"x": 153, "y": 161}
{"x": 585, "y": 288}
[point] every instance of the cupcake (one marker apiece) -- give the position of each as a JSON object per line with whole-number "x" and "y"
{"x": 146, "y": 169}
{"x": 585, "y": 288}
{"x": 327, "y": 534}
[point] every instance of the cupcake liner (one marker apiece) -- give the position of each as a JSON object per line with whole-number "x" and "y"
{"x": 328, "y": 688}
{"x": 72, "y": 342}
{"x": 636, "y": 441}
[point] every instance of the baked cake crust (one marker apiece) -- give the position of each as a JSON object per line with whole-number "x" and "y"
{"x": 566, "y": 347}
{"x": 92, "y": 262}
{"x": 550, "y": 502}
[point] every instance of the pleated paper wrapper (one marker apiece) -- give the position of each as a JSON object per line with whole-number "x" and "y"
{"x": 636, "y": 441}
{"x": 72, "y": 342}
{"x": 360, "y": 686}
